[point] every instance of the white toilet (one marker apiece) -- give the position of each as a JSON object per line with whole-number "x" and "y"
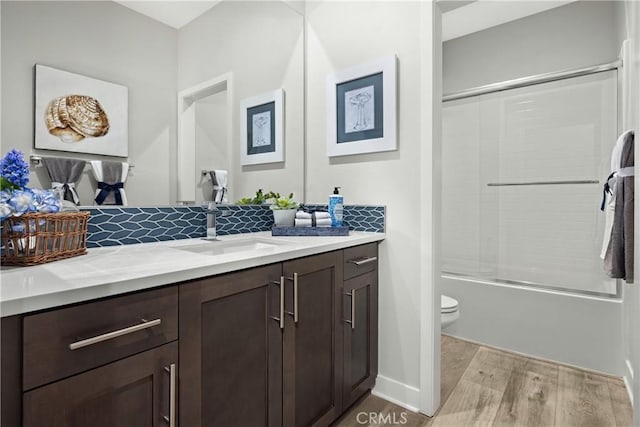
{"x": 448, "y": 311}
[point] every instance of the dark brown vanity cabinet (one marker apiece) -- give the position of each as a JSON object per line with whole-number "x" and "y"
{"x": 312, "y": 340}
{"x": 136, "y": 391}
{"x": 360, "y": 322}
{"x": 290, "y": 344}
{"x": 231, "y": 350}
{"x": 262, "y": 347}
{"x": 106, "y": 363}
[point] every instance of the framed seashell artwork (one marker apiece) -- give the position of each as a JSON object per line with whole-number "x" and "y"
{"x": 80, "y": 114}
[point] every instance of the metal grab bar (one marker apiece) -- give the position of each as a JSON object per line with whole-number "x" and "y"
{"x": 509, "y": 184}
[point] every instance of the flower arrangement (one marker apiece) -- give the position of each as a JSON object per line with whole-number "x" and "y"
{"x": 15, "y": 197}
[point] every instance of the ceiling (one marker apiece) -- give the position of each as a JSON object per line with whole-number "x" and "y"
{"x": 175, "y": 14}
{"x": 459, "y": 18}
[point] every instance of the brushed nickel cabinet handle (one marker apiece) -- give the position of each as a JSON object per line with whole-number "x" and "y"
{"x": 295, "y": 298}
{"x": 281, "y": 318}
{"x": 352, "y": 295}
{"x": 171, "y": 418}
{"x": 363, "y": 261}
{"x": 111, "y": 335}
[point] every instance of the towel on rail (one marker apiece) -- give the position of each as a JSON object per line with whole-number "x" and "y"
{"x": 64, "y": 175}
{"x": 219, "y": 179}
{"x": 618, "y": 258}
{"x": 111, "y": 177}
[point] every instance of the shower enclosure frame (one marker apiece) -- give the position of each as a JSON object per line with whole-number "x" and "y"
{"x": 515, "y": 84}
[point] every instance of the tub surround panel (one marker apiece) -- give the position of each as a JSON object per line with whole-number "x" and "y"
{"x": 113, "y": 226}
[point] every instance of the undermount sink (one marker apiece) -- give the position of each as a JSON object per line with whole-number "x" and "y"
{"x": 223, "y": 247}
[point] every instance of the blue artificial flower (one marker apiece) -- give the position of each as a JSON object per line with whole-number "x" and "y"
{"x": 14, "y": 170}
{"x": 5, "y": 210}
{"x": 4, "y": 196}
{"x": 45, "y": 201}
{"x": 22, "y": 201}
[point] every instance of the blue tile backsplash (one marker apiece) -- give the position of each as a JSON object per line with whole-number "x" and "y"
{"x": 123, "y": 225}
{"x": 360, "y": 217}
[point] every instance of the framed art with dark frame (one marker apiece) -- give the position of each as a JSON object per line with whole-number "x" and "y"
{"x": 361, "y": 108}
{"x": 261, "y": 128}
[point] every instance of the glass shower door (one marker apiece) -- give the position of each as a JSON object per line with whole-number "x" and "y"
{"x": 522, "y": 182}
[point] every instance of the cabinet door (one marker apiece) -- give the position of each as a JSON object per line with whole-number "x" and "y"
{"x": 135, "y": 391}
{"x": 312, "y": 340}
{"x": 231, "y": 350}
{"x": 360, "y": 325}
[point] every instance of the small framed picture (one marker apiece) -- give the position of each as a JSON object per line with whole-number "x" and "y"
{"x": 262, "y": 128}
{"x": 361, "y": 108}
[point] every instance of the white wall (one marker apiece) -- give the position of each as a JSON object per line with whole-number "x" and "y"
{"x": 261, "y": 43}
{"x": 341, "y": 35}
{"x": 106, "y": 41}
{"x": 629, "y": 20}
{"x": 578, "y": 34}
{"x": 553, "y": 326}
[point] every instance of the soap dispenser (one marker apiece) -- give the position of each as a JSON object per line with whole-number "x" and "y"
{"x": 336, "y": 206}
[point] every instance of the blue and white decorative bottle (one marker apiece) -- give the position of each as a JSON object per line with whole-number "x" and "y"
{"x": 336, "y": 206}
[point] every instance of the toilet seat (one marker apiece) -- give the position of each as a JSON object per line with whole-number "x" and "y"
{"x": 448, "y": 304}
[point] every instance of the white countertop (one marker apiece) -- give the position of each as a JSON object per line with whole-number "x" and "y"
{"x": 119, "y": 269}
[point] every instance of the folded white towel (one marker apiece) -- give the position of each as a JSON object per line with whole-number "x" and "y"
{"x": 322, "y": 215}
{"x": 324, "y": 222}
{"x": 303, "y": 222}
{"x": 303, "y": 215}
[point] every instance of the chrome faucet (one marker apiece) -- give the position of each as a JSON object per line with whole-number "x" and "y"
{"x": 211, "y": 220}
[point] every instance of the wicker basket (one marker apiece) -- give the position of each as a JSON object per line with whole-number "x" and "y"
{"x": 37, "y": 238}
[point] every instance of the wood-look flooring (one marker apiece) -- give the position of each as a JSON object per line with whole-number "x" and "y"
{"x": 481, "y": 386}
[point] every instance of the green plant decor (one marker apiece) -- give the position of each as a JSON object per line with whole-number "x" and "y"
{"x": 258, "y": 199}
{"x": 280, "y": 203}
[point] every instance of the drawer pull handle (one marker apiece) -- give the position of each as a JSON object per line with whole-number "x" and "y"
{"x": 363, "y": 261}
{"x": 352, "y": 295}
{"x": 295, "y": 298}
{"x": 171, "y": 418}
{"x": 280, "y": 319}
{"x": 111, "y": 335}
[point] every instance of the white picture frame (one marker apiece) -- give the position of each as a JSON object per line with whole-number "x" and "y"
{"x": 262, "y": 128}
{"x": 358, "y": 121}
{"x": 60, "y": 99}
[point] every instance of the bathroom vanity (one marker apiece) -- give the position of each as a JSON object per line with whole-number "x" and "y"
{"x": 259, "y": 331}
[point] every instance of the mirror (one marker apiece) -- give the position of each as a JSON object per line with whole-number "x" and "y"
{"x": 259, "y": 44}
{"x": 236, "y": 51}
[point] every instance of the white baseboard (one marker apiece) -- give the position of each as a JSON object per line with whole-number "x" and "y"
{"x": 396, "y": 392}
{"x": 628, "y": 379}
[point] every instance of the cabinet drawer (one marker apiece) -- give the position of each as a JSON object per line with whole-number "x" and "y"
{"x": 360, "y": 259}
{"x": 66, "y": 341}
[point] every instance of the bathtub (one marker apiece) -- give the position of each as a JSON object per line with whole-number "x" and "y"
{"x": 577, "y": 330}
